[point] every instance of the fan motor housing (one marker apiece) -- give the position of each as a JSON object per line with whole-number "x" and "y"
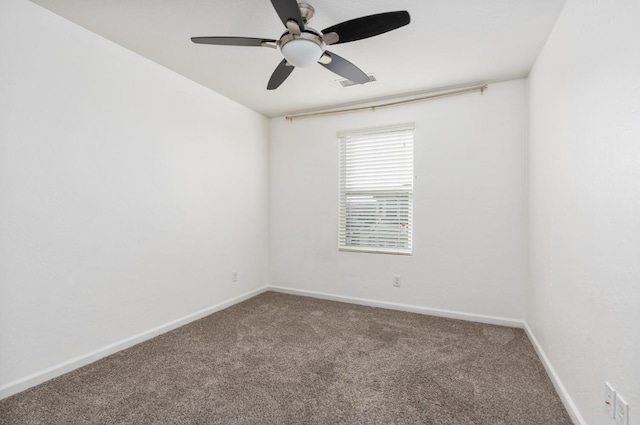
{"x": 308, "y": 34}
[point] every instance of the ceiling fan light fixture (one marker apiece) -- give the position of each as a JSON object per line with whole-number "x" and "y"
{"x": 302, "y": 52}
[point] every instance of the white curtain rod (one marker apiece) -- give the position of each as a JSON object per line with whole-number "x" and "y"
{"x": 372, "y": 108}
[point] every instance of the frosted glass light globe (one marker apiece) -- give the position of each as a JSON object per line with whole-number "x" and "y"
{"x": 301, "y": 52}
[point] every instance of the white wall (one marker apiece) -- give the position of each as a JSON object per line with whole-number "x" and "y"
{"x": 583, "y": 295}
{"x": 128, "y": 194}
{"x": 469, "y": 213}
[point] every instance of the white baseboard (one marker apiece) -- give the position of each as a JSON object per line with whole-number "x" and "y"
{"x": 54, "y": 371}
{"x": 493, "y": 320}
{"x": 571, "y": 407}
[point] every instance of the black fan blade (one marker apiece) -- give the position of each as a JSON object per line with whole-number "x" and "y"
{"x": 287, "y": 10}
{"x": 279, "y": 75}
{"x": 369, "y": 26}
{"x": 345, "y": 69}
{"x": 232, "y": 41}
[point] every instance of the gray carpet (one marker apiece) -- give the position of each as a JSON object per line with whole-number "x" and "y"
{"x": 282, "y": 359}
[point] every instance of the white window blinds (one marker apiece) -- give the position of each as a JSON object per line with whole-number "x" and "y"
{"x": 376, "y": 190}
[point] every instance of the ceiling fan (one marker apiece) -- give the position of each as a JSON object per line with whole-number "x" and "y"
{"x": 303, "y": 46}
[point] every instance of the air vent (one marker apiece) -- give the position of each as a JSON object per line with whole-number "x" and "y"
{"x": 349, "y": 83}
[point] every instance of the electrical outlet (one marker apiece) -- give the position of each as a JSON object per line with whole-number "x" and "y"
{"x": 234, "y": 276}
{"x": 610, "y": 399}
{"x": 622, "y": 411}
{"x": 396, "y": 281}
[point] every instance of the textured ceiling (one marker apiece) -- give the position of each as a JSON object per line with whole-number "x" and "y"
{"x": 448, "y": 43}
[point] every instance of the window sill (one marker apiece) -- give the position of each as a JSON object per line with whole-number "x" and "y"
{"x": 375, "y": 251}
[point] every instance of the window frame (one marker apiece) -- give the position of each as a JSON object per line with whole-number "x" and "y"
{"x": 408, "y": 192}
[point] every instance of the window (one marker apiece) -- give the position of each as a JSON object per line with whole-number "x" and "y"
{"x": 376, "y": 190}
